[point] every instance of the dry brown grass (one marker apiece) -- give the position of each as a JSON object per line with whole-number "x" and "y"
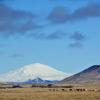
{"x": 45, "y": 94}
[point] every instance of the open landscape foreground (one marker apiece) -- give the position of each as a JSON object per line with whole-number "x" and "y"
{"x": 46, "y": 94}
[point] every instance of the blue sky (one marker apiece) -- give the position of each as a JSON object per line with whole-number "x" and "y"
{"x": 64, "y": 34}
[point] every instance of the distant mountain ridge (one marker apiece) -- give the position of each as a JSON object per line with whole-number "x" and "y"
{"x": 37, "y": 81}
{"x": 91, "y": 74}
{"x": 32, "y": 72}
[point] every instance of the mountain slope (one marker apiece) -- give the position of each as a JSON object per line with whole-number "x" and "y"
{"x": 38, "y": 81}
{"x": 31, "y": 72}
{"x": 92, "y": 74}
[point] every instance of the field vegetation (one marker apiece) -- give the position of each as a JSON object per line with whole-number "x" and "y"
{"x": 46, "y": 94}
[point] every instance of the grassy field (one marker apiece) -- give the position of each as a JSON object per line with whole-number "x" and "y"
{"x": 45, "y": 94}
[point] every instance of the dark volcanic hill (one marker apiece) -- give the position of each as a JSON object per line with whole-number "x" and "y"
{"x": 90, "y": 75}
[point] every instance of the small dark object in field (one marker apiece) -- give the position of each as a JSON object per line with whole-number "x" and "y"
{"x": 49, "y": 85}
{"x": 16, "y": 86}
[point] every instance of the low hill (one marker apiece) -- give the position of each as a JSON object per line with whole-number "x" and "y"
{"x": 90, "y": 75}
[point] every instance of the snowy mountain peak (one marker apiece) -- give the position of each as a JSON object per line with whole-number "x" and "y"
{"x": 33, "y": 71}
{"x": 37, "y": 67}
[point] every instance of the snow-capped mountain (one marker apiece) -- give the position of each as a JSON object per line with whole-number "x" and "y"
{"x": 33, "y": 71}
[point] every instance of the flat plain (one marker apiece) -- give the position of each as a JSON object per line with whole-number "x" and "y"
{"x": 46, "y": 94}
